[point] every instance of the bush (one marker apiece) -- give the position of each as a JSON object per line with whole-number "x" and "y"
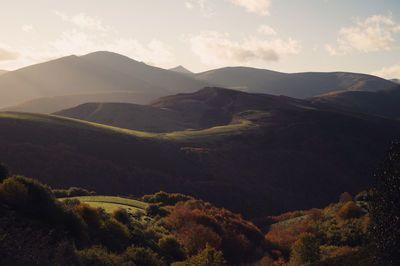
{"x": 72, "y": 192}
{"x": 350, "y": 210}
{"x": 170, "y": 246}
{"x": 166, "y": 199}
{"x": 305, "y": 250}
{"x": 115, "y": 235}
{"x": 345, "y": 197}
{"x": 142, "y": 256}
{"x": 97, "y": 256}
{"x": 14, "y": 193}
{"x": 121, "y": 215}
{"x": 364, "y": 196}
{"x": 207, "y": 257}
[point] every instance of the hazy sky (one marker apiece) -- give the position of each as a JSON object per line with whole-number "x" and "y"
{"x": 282, "y": 35}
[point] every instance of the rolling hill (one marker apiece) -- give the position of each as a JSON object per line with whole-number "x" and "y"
{"x": 381, "y": 103}
{"x": 297, "y": 85}
{"x": 58, "y": 84}
{"x": 92, "y": 73}
{"x": 53, "y": 104}
{"x": 256, "y": 154}
{"x": 130, "y": 116}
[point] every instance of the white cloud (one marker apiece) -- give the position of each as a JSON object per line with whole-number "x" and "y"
{"x": 83, "y": 21}
{"x": 189, "y": 5}
{"x": 201, "y": 4}
{"x": 27, "y": 28}
{"x": 267, "y": 30}
{"x": 373, "y": 34}
{"x": 78, "y": 42}
{"x": 215, "y": 48}
{"x": 260, "y": 7}
{"x": 388, "y": 72}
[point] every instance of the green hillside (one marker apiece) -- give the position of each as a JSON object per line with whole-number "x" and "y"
{"x": 277, "y": 153}
{"x": 112, "y": 203}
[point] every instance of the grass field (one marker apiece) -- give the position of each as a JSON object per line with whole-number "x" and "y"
{"x": 240, "y": 126}
{"x": 111, "y": 203}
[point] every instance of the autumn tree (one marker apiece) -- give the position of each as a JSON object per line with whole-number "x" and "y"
{"x": 305, "y": 249}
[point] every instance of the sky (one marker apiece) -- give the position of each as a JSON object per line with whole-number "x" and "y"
{"x": 283, "y": 35}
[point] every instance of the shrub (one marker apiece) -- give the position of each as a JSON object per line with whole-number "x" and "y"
{"x": 165, "y": 199}
{"x": 207, "y": 257}
{"x": 345, "y": 197}
{"x": 364, "y": 196}
{"x": 142, "y": 256}
{"x": 72, "y": 192}
{"x": 350, "y": 210}
{"x": 14, "y": 193}
{"x": 121, "y": 215}
{"x": 170, "y": 245}
{"x": 90, "y": 215}
{"x": 305, "y": 249}
{"x": 115, "y": 235}
{"x": 97, "y": 256}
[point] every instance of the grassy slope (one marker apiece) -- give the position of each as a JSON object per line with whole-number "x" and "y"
{"x": 293, "y": 160}
{"x": 112, "y": 203}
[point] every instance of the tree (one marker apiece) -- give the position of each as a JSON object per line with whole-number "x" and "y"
{"x": 207, "y": 257}
{"x": 385, "y": 208}
{"x": 305, "y": 249}
{"x": 345, "y": 197}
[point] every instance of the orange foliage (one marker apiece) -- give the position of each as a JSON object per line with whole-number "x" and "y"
{"x": 198, "y": 223}
{"x": 283, "y": 237}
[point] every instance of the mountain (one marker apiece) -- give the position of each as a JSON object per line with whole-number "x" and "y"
{"x": 255, "y": 154}
{"x": 297, "y": 85}
{"x": 397, "y": 81}
{"x": 382, "y": 103}
{"x": 130, "y": 116}
{"x": 95, "y": 72}
{"x": 53, "y": 104}
{"x": 3, "y": 72}
{"x": 181, "y": 69}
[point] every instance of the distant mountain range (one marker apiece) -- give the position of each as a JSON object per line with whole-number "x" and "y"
{"x": 397, "y": 81}
{"x": 3, "y": 71}
{"x": 95, "y": 72}
{"x": 252, "y": 153}
{"x": 382, "y": 103}
{"x": 181, "y": 69}
{"x": 297, "y": 85}
{"x": 57, "y": 84}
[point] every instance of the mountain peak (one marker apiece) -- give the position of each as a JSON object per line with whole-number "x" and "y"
{"x": 181, "y": 69}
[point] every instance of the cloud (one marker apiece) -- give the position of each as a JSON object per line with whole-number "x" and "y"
{"x": 83, "y": 21}
{"x": 267, "y": 30}
{"x": 373, "y": 34}
{"x": 189, "y": 5}
{"x": 27, "y": 28}
{"x": 215, "y": 48}
{"x": 6, "y": 54}
{"x": 78, "y": 42}
{"x": 259, "y": 7}
{"x": 201, "y": 4}
{"x": 388, "y": 72}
